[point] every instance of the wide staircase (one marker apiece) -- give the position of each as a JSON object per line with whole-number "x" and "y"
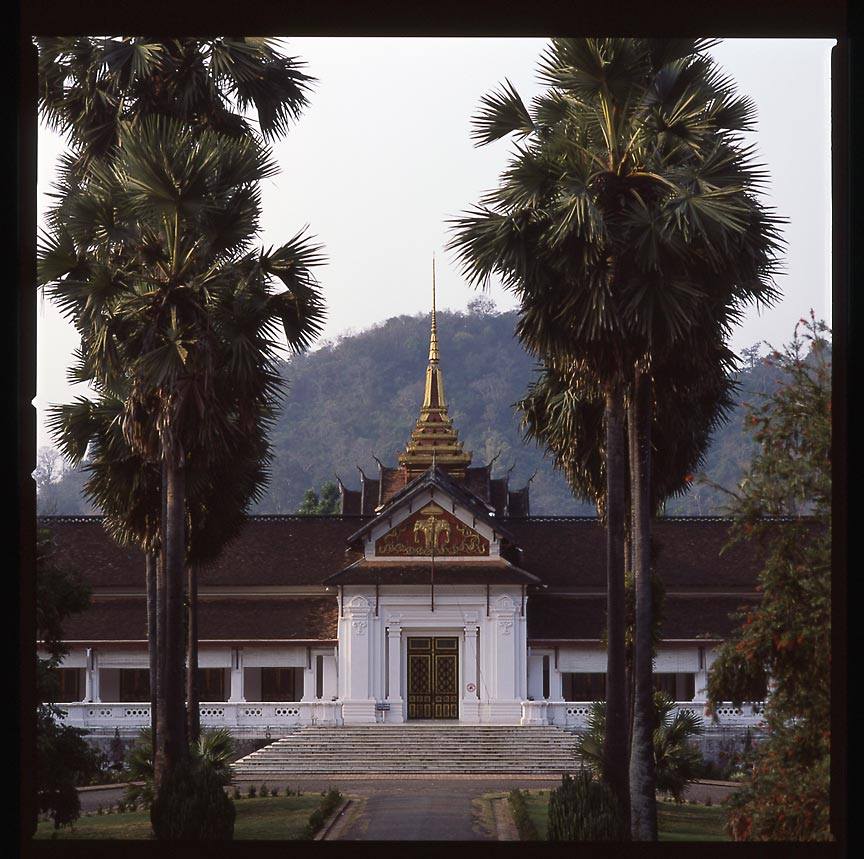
{"x": 415, "y": 748}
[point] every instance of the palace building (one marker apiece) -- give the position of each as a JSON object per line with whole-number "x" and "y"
{"x": 435, "y": 594}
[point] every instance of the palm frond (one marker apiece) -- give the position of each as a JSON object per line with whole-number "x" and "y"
{"x": 501, "y": 112}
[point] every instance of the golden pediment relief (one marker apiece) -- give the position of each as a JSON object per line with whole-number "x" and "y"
{"x": 432, "y": 530}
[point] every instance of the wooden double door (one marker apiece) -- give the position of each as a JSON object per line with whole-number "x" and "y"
{"x": 433, "y": 678}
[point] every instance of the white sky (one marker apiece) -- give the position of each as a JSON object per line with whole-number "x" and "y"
{"x": 382, "y": 158}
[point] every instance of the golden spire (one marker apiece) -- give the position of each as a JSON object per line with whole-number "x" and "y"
{"x": 434, "y": 440}
{"x": 433, "y": 336}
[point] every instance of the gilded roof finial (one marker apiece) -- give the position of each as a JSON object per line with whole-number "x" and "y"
{"x": 434, "y": 440}
{"x": 433, "y": 337}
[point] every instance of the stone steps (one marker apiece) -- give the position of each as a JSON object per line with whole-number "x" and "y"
{"x": 417, "y": 748}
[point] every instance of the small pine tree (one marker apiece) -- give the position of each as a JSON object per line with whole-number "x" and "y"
{"x": 585, "y": 809}
{"x": 192, "y": 806}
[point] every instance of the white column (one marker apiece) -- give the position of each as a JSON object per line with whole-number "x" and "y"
{"x": 358, "y": 706}
{"x": 91, "y": 676}
{"x": 470, "y": 694}
{"x": 237, "y": 691}
{"x": 394, "y": 673}
{"x": 309, "y": 677}
{"x": 506, "y": 704}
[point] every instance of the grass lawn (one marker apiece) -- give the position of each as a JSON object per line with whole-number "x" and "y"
{"x": 537, "y": 802}
{"x": 676, "y": 822}
{"x": 685, "y": 822}
{"x": 278, "y": 818}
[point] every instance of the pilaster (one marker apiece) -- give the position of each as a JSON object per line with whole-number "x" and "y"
{"x": 470, "y": 710}
{"x": 91, "y": 677}
{"x": 237, "y": 691}
{"x": 358, "y": 705}
{"x": 394, "y": 672}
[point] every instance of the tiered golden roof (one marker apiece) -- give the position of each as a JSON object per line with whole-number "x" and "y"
{"x": 434, "y": 439}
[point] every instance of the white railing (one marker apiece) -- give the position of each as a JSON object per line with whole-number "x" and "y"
{"x": 574, "y": 714}
{"x": 214, "y": 714}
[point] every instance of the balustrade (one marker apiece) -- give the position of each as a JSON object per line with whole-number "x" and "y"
{"x": 574, "y": 714}
{"x": 214, "y": 714}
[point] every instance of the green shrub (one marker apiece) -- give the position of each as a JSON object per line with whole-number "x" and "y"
{"x": 524, "y": 823}
{"x": 263, "y": 791}
{"x": 584, "y": 809}
{"x": 192, "y": 805}
{"x": 316, "y": 821}
{"x": 252, "y": 791}
{"x": 329, "y": 803}
{"x": 237, "y": 794}
{"x": 274, "y": 791}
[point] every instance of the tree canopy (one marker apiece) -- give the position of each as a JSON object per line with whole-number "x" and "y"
{"x": 782, "y": 507}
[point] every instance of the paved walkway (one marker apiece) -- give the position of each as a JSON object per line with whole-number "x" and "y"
{"x": 410, "y": 808}
{"x": 442, "y": 809}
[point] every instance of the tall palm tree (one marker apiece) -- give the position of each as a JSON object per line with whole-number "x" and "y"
{"x": 91, "y": 89}
{"x": 90, "y": 86}
{"x": 126, "y": 489}
{"x": 151, "y": 261}
{"x": 627, "y": 225}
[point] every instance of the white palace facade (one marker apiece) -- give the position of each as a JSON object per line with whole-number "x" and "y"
{"x": 433, "y": 595}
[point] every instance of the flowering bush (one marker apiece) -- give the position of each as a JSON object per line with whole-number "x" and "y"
{"x": 784, "y": 506}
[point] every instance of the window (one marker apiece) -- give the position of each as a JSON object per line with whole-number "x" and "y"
{"x": 750, "y": 690}
{"x": 134, "y": 684}
{"x": 211, "y": 684}
{"x": 69, "y": 684}
{"x": 281, "y": 684}
{"x": 319, "y": 676}
{"x": 582, "y": 686}
{"x": 678, "y": 687}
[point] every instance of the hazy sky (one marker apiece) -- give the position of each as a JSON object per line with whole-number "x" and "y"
{"x": 382, "y": 158}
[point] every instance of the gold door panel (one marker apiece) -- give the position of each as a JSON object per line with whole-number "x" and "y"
{"x": 433, "y": 678}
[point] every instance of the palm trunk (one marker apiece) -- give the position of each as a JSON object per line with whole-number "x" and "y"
{"x": 152, "y": 648}
{"x": 629, "y": 561}
{"x": 615, "y": 741}
{"x": 643, "y": 802}
{"x": 193, "y": 726}
{"x": 159, "y": 766}
{"x": 175, "y": 745}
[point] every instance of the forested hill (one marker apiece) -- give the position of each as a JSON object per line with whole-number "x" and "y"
{"x": 357, "y": 398}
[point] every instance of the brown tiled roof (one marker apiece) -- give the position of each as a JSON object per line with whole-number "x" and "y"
{"x": 370, "y": 491}
{"x": 559, "y": 618}
{"x": 305, "y": 550}
{"x": 392, "y": 480}
{"x": 351, "y": 502}
{"x": 477, "y": 481}
{"x": 572, "y": 552}
{"x": 270, "y": 550}
{"x": 493, "y": 572}
{"x": 498, "y": 496}
{"x": 277, "y": 618}
{"x": 517, "y": 502}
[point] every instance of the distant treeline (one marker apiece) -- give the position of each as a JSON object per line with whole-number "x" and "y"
{"x": 358, "y": 397}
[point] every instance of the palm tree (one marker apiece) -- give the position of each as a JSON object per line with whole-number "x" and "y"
{"x": 126, "y": 489}
{"x": 183, "y": 317}
{"x": 90, "y": 86}
{"x": 627, "y": 225}
{"x": 92, "y": 89}
{"x": 676, "y": 761}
